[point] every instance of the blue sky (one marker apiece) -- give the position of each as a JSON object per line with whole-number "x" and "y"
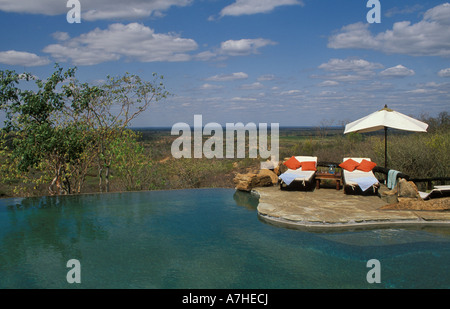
{"x": 292, "y": 62}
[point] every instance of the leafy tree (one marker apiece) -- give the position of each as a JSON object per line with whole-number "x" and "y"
{"x": 109, "y": 109}
{"x": 63, "y": 127}
{"x": 33, "y": 116}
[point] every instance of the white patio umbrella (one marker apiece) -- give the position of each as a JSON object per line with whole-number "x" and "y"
{"x": 384, "y": 119}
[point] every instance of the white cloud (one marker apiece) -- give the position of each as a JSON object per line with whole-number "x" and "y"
{"x": 228, "y": 77}
{"x": 329, "y": 83}
{"x": 132, "y": 42}
{"x": 95, "y": 9}
{"x": 206, "y": 55}
{"x": 348, "y": 70}
{"x": 355, "y": 65}
{"x": 210, "y": 87}
{"x": 254, "y": 86}
{"x": 397, "y": 71}
{"x": 428, "y": 37}
{"x": 291, "y": 92}
{"x": 60, "y": 36}
{"x": 231, "y": 48}
{"x": 444, "y": 72}
{"x": 13, "y": 57}
{"x": 248, "y": 7}
{"x": 405, "y": 10}
{"x": 418, "y": 91}
{"x": 243, "y": 47}
{"x": 241, "y": 99}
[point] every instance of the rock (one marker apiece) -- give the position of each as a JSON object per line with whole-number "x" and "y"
{"x": 280, "y": 168}
{"x": 271, "y": 174}
{"x": 389, "y": 196}
{"x": 439, "y": 204}
{"x": 407, "y": 189}
{"x": 246, "y": 182}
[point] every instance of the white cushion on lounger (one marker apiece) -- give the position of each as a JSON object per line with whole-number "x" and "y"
{"x": 351, "y": 178}
{"x": 303, "y": 175}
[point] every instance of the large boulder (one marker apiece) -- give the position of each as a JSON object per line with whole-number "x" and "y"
{"x": 407, "y": 189}
{"x": 389, "y": 196}
{"x": 269, "y": 173}
{"x": 246, "y": 182}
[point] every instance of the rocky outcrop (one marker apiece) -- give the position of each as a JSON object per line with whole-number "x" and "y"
{"x": 407, "y": 189}
{"x": 389, "y": 196}
{"x": 246, "y": 182}
{"x": 269, "y": 173}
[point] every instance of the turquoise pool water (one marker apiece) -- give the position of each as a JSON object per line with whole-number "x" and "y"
{"x": 206, "y": 238}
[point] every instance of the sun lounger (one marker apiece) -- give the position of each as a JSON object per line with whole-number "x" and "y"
{"x": 359, "y": 182}
{"x": 298, "y": 178}
{"x": 437, "y": 192}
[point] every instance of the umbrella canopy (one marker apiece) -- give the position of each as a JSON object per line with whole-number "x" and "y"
{"x": 386, "y": 118}
{"x": 383, "y": 119}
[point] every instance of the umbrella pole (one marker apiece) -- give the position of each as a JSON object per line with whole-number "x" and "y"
{"x": 385, "y": 147}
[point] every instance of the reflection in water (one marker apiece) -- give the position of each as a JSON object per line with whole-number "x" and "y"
{"x": 246, "y": 199}
{"x": 206, "y": 238}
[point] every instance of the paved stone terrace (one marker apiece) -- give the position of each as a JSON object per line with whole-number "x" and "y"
{"x": 325, "y": 209}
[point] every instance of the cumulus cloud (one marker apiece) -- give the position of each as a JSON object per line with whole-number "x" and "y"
{"x": 397, "y": 71}
{"x": 347, "y": 70}
{"x": 95, "y": 9}
{"x": 428, "y": 37}
{"x": 432, "y": 88}
{"x": 13, "y": 57}
{"x": 132, "y": 42}
{"x": 137, "y": 42}
{"x": 243, "y": 47}
{"x": 228, "y": 77}
{"x": 232, "y": 48}
{"x": 249, "y": 7}
{"x": 349, "y": 64}
{"x": 444, "y": 72}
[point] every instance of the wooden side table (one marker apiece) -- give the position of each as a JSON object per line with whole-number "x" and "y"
{"x": 337, "y": 177}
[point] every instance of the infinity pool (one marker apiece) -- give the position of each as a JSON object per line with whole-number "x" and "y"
{"x": 205, "y": 238}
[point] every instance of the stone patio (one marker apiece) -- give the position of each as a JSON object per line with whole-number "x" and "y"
{"x": 325, "y": 209}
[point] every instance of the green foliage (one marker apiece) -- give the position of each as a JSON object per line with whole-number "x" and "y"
{"x": 63, "y": 129}
{"x": 131, "y": 164}
{"x": 421, "y": 155}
